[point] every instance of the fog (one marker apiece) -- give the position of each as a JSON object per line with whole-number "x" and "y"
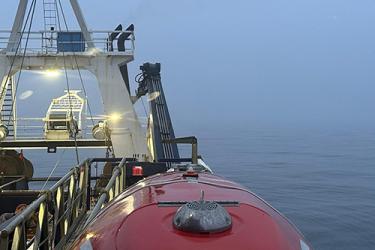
{"x": 235, "y": 64}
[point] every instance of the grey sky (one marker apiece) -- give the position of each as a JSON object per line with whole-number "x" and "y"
{"x": 295, "y": 63}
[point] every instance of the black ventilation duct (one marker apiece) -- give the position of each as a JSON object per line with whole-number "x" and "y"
{"x": 123, "y": 37}
{"x": 112, "y": 37}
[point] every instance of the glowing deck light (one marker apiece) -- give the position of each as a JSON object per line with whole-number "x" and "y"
{"x": 115, "y": 117}
{"x": 52, "y": 73}
{"x": 152, "y": 96}
{"x": 89, "y": 236}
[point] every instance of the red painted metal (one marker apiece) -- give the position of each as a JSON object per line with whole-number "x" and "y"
{"x": 134, "y": 221}
{"x": 137, "y": 171}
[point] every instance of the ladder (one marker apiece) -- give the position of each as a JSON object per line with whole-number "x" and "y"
{"x": 50, "y": 25}
{"x": 8, "y": 110}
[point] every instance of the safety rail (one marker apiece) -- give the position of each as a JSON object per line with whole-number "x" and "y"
{"x": 55, "y": 212}
{"x": 33, "y": 128}
{"x": 69, "y": 205}
{"x": 114, "y": 187}
{"x": 58, "y": 211}
{"x": 49, "y": 42}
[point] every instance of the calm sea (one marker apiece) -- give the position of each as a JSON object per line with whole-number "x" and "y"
{"x": 323, "y": 181}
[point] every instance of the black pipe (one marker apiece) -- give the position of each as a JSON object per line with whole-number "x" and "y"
{"x": 112, "y": 37}
{"x": 123, "y": 37}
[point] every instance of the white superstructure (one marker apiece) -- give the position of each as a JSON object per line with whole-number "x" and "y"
{"x": 83, "y": 49}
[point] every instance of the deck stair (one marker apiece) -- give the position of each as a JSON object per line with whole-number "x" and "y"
{"x": 8, "y": 110}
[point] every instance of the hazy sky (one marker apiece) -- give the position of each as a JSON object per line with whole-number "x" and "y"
{"x": 295, "y": 63}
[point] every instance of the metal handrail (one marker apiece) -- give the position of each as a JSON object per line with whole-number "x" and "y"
{"x": 63, "y": 220}
{"x": 38, "y": 40}
{"x": 59, "y": 210}
{"x": 17, "y": 225}
{"x": 114, "y": 187}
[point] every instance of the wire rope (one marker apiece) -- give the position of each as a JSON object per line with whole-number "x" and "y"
{"x": 77, "y": 66}
{"x": 53, "y": 169}
{"x": 32, "y": 7}
{"x": 68, "y": 89}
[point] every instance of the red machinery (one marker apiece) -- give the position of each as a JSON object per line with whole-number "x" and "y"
{"x": 190, "y": 210}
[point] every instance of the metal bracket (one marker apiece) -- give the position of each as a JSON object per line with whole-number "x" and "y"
{"x": 187, "y": 140}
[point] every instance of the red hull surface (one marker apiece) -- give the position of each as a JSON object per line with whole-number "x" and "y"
{"x": 134, "y": 220}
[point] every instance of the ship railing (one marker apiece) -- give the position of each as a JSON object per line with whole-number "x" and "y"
{"x": 67, "y": 207}
{"x": 55, "y": 213}
{"x": 52, "y": 42}
{"x": 28, "y": 127}
{"x": 60, "y": 210}
{"x": 117, "y": 183}
{"x": 34, "y": 128}
{"x": 115, "y": 186}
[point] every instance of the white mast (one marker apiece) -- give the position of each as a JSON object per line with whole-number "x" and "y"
{"x": 82, "y": 23}
{"x": 17, "y": 26}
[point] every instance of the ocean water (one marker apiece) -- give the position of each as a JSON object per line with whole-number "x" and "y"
{"x": 322, "y": 180}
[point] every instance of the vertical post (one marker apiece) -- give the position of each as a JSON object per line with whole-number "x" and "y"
{"x": 19, "y": 237}
{"x": 41, "y": 234}
{"x": 14, "y": 107}
{"x": 123, "y": 167}
{"x": 68, "y": 217}
{"x": 122, "y": 178}
{"x": 88, "y": 188}
{"x": 4, "y": 240}
{"x": 132, "y": 39}
{"x": 17, "y": 26}
{"x": 117, "y": 185}
{"x": 81, "y": 201}
{"x": 111, "y": 194}
{"x": 83, "y": 184}
{"x": 59, "y": 221}
{"x": 194, "y": 152}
